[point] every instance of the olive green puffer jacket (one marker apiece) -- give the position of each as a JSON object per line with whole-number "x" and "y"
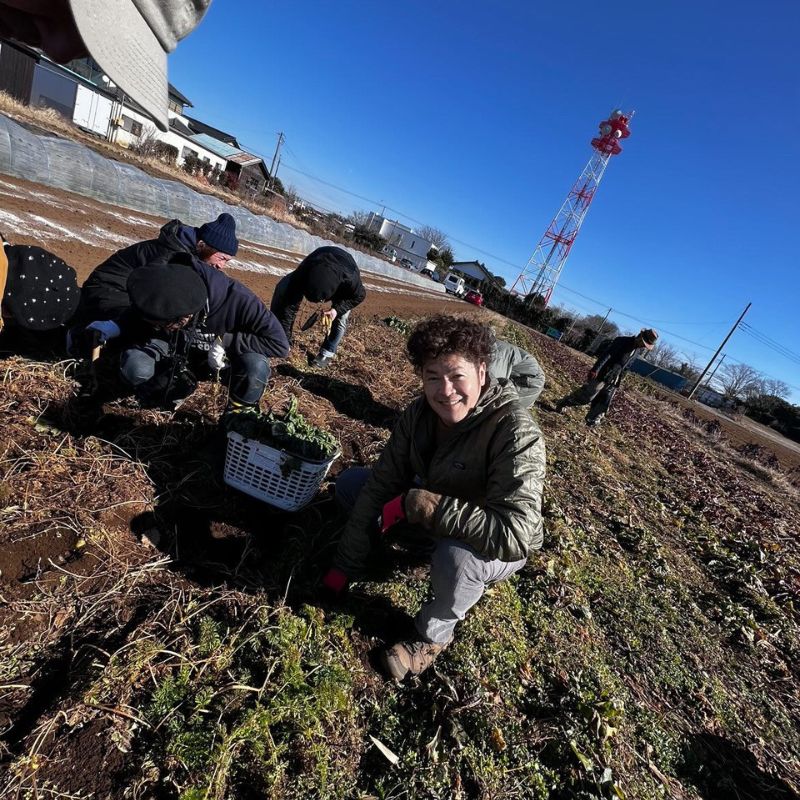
{"x": 489, "y": 469}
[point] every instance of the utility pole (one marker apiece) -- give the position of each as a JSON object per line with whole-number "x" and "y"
{"x": 281, "y": 140}
{"x": 603, "y": 323}
{"x": 714, "y": 357}
{"x": 714, "y": 371}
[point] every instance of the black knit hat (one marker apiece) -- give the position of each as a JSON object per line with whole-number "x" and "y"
{"x": 164, "y": 292}
{"x": 41, "y": 290}
{"x": 220, "y": 234}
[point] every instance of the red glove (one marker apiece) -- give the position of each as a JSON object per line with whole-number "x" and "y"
{"x": 592, "y": 374}
{"x": 393, "y": 512}
{"x": 335, "y": 581}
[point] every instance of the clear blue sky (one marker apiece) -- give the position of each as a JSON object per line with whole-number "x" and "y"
{"x": 476, "y": 118}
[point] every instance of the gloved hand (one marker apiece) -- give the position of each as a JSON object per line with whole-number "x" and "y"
{"x": 216, "y": 356}
{"x": 592, "y": 375}
{"x": 421, "y": 507}
{"x": 334, "y": 581}
{"x": 393, "y": 512}
{"x": 107, "y": 328}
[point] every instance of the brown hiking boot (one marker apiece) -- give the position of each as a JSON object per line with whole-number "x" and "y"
{"x": 410, "y": 658}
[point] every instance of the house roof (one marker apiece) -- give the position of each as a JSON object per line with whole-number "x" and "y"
{"x": 201, "y": 127}
{"x": 181, "y": 98}
{"x": 473, "y": 267}
{"x": 226, "y": 151}
{"x": 222, "y": 149}
{"x": 178, "y": 127}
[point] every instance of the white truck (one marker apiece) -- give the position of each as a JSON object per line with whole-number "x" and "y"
{"x": 454, "y": 284}
{"x": 427, "y": 268}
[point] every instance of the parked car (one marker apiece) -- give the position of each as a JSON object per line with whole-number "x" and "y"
{"x": 406, "y": 262}
{"x": 476, "y": 298}
{"x": 454, "y": 284}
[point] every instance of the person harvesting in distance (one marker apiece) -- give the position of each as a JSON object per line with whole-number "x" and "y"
{"x": 329, "y": 274}
{"x": 606, "y": 375}
{"x": 464, "y": 468}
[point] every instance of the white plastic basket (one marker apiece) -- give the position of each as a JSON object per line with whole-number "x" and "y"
{"x": 278, "y": 478}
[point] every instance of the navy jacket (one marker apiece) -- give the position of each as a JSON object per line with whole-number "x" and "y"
{"x": 104, "y": 295}
{"x": 239, "y": 316}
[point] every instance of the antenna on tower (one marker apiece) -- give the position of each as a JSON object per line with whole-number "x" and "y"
{"x": 538, "y": 279}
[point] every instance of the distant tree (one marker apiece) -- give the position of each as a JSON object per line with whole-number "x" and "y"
{"x": 436, "y": 237}
{"x": 147, "y": 142}
{"x": 776, "y": 388}
{"x": 596, "y": 323}
{"x": 499, "y": 280}
{"x": 369, "y": 239}
{"x": 359, "y": 218}
{"x": 277, "y": 185}
{"x": 442, "y": 258}
{"x": 664, "y": 355}
{"x": 290, "y": 193}
{"x": 738, "y": 380}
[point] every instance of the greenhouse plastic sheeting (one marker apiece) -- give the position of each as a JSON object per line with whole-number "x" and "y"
{"x": 68, "y": 165}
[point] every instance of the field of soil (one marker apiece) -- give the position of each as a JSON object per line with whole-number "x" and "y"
{"x": 162, "y": 636}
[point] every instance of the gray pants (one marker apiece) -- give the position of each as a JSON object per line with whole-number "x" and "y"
{"x": 459, "y": 575}
{"x": 597, "y": 394}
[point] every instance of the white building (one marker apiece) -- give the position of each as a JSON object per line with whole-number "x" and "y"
{"x": 406, "y": 243}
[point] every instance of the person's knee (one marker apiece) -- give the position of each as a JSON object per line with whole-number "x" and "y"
{"x": 255, "y": 366}
{"x": 136, "y": 367}
{"x": 349, "y": 485}
{"x": 456, "y": 562}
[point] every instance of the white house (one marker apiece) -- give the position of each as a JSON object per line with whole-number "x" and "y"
{"x": 406, "y": 243}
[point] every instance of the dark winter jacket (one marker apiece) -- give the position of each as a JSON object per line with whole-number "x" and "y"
{"x": 232, "y": 312}
{"x": 615, "y": 358}
{"x": 327, "y": 274}
{"x": 489, "y": 470}
{"x": 240, "y": 317}
{"x": 104, "y": 294}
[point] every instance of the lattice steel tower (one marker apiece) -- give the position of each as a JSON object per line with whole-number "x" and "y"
{"x": 539, "y": 277}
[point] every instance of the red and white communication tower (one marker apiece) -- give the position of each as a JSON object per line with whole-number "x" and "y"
{"x": 540, "y": 276}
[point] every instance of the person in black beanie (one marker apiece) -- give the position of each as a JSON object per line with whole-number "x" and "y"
{"x": 185, "y": 320}
{"x": 329, "y": 274}
{"x": 105, "y": 290}
{"x": 38, "y": 291}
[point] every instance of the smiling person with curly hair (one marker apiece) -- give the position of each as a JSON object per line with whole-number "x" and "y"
{"x": 464, "y": 468}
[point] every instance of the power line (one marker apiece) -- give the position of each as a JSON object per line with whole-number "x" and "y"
{"x": 779, "y": 348}
{"x": 767, "y": 342}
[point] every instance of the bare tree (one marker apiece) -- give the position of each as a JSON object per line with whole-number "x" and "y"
{"x": 147, "y": 142}
{"x": 664, "y": 355}
{"x": 359, "y": 218}
{"x": 436, "y": 237}
{"x": 776, "y": 388}
{"x": 739, "y": 380}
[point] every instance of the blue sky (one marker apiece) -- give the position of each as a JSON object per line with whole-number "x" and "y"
{"x": 476, "y": 118}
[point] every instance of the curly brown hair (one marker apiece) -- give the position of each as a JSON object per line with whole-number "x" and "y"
{"x": 446, "y": 335}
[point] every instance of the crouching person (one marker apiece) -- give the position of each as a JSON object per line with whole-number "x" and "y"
{"x": 464, "y": 466}
{"x": 186, "y": 320}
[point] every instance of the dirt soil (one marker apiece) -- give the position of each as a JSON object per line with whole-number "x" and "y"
{"x": 162, "y": 635}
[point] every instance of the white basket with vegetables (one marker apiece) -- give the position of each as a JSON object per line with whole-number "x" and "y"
{"x": 280, "y": 459}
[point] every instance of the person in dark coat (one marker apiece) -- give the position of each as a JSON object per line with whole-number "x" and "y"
{"x": 105, "y": 290}
{"x": 186, "y": 320}
{"x": 606, "y": 375}
{"x": 38, "y": 291}
{"x": 329, "y": 274}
